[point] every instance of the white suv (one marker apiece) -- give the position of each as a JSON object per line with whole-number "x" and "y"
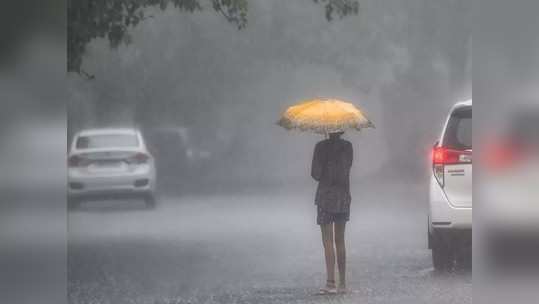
{"x": 450, "y": 195}
{"x": 105, "y": 163}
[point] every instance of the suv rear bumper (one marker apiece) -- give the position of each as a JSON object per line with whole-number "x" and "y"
{"x": 443, "y": 215}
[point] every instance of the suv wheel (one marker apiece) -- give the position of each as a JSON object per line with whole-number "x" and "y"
{"x": 442, "y": 255}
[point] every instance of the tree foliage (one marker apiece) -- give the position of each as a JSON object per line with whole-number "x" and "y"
{"x": 90, "y": 19}
{"x": 340, "y": 9}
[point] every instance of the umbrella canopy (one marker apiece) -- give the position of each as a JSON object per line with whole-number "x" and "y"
{"x": 323, "y": 116}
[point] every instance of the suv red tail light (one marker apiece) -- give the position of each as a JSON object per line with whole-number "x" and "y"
{"x": 445, "y": 156}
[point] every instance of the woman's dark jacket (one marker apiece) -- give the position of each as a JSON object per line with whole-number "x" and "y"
{"x": 331, "y": 165}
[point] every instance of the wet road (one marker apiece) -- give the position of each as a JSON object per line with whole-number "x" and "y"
{"x": 254, "y": 248}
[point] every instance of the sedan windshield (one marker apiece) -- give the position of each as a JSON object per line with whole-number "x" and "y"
{"x": 108, "y": 140}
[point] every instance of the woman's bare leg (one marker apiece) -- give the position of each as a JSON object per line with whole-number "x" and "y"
{"x": 341, "y": 252}
{"x": 329, "y": 251}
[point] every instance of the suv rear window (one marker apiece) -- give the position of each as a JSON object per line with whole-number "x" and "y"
{"x": 108, "y": 140}
{"x": 458, "y": 134}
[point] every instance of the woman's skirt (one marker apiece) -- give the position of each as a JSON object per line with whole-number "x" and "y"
{"x": 323, "y": 217}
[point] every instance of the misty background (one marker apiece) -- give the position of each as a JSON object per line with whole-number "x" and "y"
{"x": 404, "y": 63}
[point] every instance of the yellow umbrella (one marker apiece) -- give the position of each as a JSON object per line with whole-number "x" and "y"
{"x": 323, "y": 116}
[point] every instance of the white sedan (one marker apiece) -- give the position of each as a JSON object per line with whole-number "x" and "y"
{"x": 110, "y": 163}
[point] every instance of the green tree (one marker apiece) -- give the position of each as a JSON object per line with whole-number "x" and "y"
{"x": 112, "y": 19}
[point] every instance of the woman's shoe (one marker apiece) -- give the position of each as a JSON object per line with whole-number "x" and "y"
{"x": 330, "y": 289}
{"x": 327, "y": 291}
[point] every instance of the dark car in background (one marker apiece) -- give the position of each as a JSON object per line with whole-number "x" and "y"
{"x": 178, "y": 156}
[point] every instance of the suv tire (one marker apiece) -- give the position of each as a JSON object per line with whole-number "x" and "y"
{"x": 442, "y": 255}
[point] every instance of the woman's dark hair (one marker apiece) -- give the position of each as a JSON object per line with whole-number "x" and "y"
{"x": 335, "y": 134}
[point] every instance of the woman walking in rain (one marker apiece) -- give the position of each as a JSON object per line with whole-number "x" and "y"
{"x": 331, "y": 165}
